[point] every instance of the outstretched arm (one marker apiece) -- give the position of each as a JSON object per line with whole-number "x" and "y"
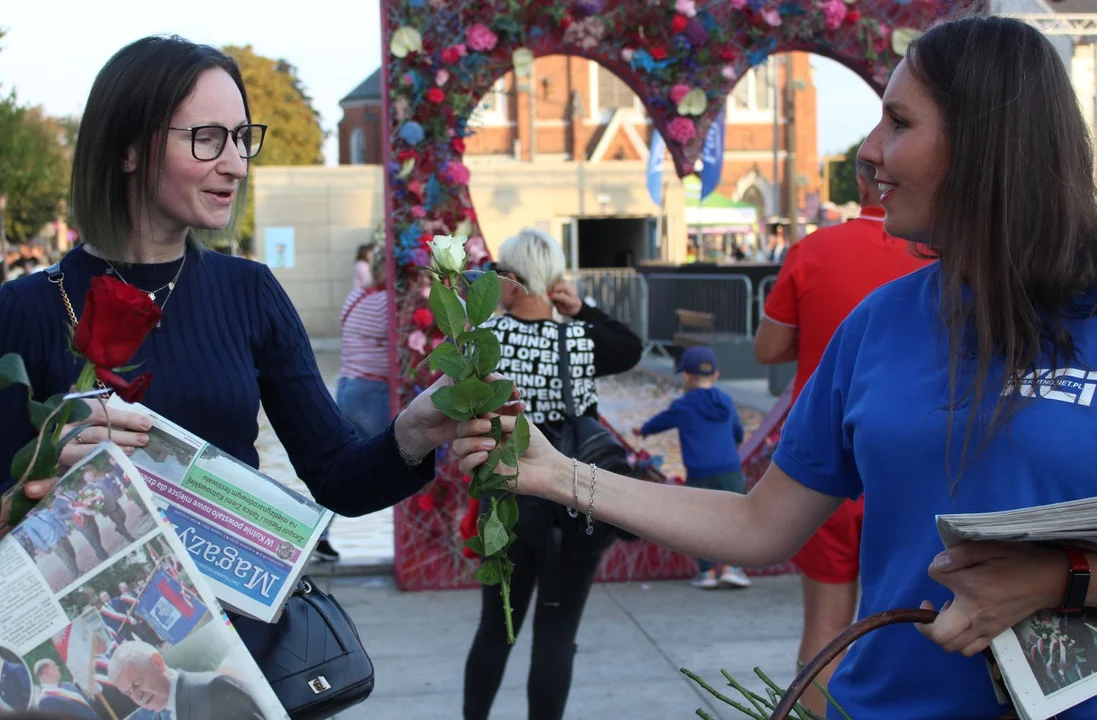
{"x": 765, "y": 526}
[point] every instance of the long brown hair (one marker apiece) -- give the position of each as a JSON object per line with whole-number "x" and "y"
{"x": 1015, "y": 217}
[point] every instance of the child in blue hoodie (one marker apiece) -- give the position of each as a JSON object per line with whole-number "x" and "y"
{"x": 707, "y": 422}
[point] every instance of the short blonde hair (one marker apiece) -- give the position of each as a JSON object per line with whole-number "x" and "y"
{"x": 536, "y": 257}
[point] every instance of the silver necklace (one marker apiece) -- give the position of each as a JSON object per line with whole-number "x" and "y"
{"x": 170, "y": 287}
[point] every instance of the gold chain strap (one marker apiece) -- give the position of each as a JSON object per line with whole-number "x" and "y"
{"x": 59, "y": 282}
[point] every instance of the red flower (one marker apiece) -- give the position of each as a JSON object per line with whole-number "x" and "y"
{"x": 451, "y": 56}
{"x": 727, "y": 54}
{"x": 131, "y": 391}
{"x": 114, "y": 323}
{"x": 406, "y": 155}
{"x": 679, "y": 23}
{"x": 424, "y": 239}
{"x": 470, "y": 214}
{"x": 422, "y": 318}
{"x": 435, "y": 95}
{"x": 852, "y": 17}
{"x": 458, "y": 145}
{"x": 425, "y": 502}
{"x": 659, "y": 53}
{"x": 565, "y": 22}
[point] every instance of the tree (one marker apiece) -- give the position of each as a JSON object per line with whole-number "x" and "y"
{"x": 35, "y": 164}
{"x": 843, "y": 177}
{"x": 279, "y": 101}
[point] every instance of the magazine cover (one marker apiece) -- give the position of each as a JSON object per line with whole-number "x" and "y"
{"x": 105, "y": 616}
{"x": 246, "y": 532}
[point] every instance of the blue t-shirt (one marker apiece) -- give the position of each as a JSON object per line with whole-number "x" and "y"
{"x": 874, "y": 419}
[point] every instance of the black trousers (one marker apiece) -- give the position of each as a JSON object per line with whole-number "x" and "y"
{"x": 554, "y": 629}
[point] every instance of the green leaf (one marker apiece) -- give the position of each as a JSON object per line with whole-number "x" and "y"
{"x": 500, "y": 393}
{"x": 46, "y": 464}
{"x": 507, "y": 511}
{"x": 39, "y": 412}
{"x": 475, "y": 544}
{"x": 483, "y": 298}
{"x": 489, "y": 482}
{"x": 443, "y": 400}
{"x": 494, "y": 534}
{"x": 12, "y": 371}
{"x": 497, "y": 429}
{"x": 485, "y": 357}
{"x": 447, "y": 309}
{"x": 490, "y": 572}
{"x": 470, "y": 394}
{"x": 447, "y": 358}
{"x": 517, "y": 444}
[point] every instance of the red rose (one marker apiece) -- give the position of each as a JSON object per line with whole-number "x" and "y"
{"x": 659, "y": 53}
{"x": 131, "y": 391}
{"x": 458, "y": 145}
{"x": 852, "y": 17}
{"x": 424, "y": 239}
{"x": 422, "y": 318}
{"x": 406, "y": 155}
{"x": 451, "y": 56}
{"x": 114, "y": 323}
{"x": 435, "y": 95}
{"x": 679, "y": 23}
{"x": 565, "y": 22}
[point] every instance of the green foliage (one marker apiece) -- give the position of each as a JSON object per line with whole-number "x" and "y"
{"x": 843, "y": 177}
{"x": 483, "y": 298}
{"x": 278, "y": 100}
{"x": 35, "y": 166}
{"x": 447, "y": 309}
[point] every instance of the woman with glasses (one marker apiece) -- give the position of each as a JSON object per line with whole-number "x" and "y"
{"x": 160, "y": 162}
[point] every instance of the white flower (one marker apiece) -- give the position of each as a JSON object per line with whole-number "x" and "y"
{"x": 448, "y": 253}
{"x": 404, "y": 41}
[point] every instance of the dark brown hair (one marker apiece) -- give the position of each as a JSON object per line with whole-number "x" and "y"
{"x": 1015, "y": 217}
{"x": 130, "y": 105}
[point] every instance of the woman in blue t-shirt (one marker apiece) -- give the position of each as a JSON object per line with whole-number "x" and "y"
{"x": 983, "y": 154}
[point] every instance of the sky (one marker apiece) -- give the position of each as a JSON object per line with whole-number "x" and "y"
{"x": 54, "y": 48}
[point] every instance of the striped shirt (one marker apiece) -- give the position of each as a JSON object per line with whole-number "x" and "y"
{"x": 365, "y": 334}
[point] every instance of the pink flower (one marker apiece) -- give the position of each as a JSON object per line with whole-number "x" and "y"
{"x": 772, "y": 18}
{"x": 685, "y": 7}
{"x": 476, "y": 250}
{"x": 435, "y": 342}
{"x": 681, "y": 130}
{"x": 627, "y": 54}
{"x": 680, "y": 91}
{"x": 834, "y": 13}
{"x": 480, "y": 38}
{"x": 442, "y": 76}
{"x": 418, "y": 211}
{"x": 728, "y": 71}
{"x": 883, "y": 39}
{"x": 408, "y": 79}
{"x": 417, "y": 341}
{"x": 738, "y": 4}
{"x": 456, "y": 173}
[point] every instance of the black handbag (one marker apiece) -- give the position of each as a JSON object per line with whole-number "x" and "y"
{"x": 312, "y": 657}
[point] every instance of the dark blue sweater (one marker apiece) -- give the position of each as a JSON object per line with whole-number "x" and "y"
{"x": 230, "y": 339}
{"x": 709, "y": 429}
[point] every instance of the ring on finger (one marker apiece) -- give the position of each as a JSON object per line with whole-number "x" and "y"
{"x": 80, "y": 439}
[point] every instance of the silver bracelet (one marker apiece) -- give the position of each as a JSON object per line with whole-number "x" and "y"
{"x": 573, "y": 512}
{"x": 590, "y": 508}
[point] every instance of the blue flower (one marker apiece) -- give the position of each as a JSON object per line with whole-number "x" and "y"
{"x": 410, "y": 237}
{"x": 415, "y": 3}
{"x": 433, "y": 194}
{"x": 412, "y": 133}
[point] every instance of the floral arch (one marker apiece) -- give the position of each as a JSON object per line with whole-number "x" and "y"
{"x": 681, "y": 57}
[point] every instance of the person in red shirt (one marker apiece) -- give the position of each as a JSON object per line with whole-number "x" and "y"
{"x": 824, "y": 277}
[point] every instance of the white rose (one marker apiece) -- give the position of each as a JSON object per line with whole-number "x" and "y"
{"x": 448, "y": 253}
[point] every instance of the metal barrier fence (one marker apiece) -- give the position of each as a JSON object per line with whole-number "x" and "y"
{"x": 622, "y": 293}
{"x": 729, "y": 298}
{"x": 764, "y": 288}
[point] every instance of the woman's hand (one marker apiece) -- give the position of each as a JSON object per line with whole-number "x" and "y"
{"x": 997, "y": 585}
{"x": 537, "y": 467}
{"x": 565, "y": 298}
{"x": 127, "y": 431}
{"x": 421, "y": 427}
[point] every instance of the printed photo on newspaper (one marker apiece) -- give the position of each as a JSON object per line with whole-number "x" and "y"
{"x": 1049, "y": 662}
{"x": 246, "y": 532}
{"x": 104, "y": 616}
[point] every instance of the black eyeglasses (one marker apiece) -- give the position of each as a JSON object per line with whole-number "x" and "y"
{"x": 207, "y": 142}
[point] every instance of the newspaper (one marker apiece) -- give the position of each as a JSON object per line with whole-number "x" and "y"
{"x": 248, "y": 534}
{"x": 1048, "y": 661}
{"x": 104, "y": 615}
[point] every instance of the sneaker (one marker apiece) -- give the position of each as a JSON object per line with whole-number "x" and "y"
{"x": 324, "y": 551}
{"x": 734, "y": 577}
{"x": 706, "y": 580}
